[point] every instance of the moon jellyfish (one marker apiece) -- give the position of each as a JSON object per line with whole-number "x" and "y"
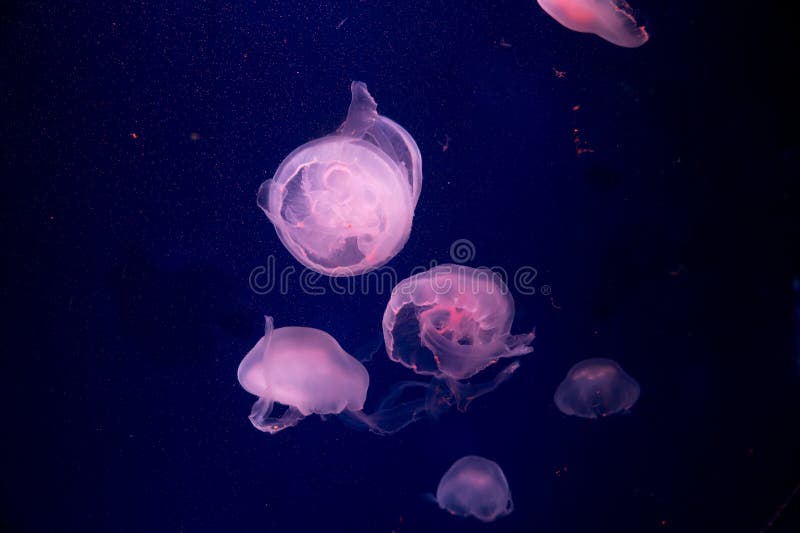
{"x": 304, "y": 369}
{"x": 343, "y": 204}
{"x": 477, "y": 487}
{"x": 451, "y": 323}
{"x": 596, "y": 388}
{"x": 612, "y": 20}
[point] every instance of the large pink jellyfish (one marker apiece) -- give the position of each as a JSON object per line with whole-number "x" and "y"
{"x": 476, "y": 487}
{"x": 610, "y": 19}
{"x": 450, "y": 323}
{"x": 596, "y": 388}
{"x": 304, "y": 369}
{"x": 343, "y": 204}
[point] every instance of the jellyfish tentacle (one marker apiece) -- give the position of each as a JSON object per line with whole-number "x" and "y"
{"x": 259, "y": 417}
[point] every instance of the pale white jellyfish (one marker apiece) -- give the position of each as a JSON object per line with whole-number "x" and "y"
{"x": 476, "y": 487}
{"x": 450, "y": 323}
{"x": 304, "y": 369}
{"x": 343, "y": 204}
{"x": 596, "y": 388}
{"x": 612, "y": 20}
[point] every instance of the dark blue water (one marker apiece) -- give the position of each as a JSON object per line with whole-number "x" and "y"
{"x": 135, "y": 136}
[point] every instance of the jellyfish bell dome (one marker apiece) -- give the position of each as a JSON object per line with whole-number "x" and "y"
{"x": 343, "y": 204}
{"x": 475, "y": 486}
{"x": 596, "y": 388}
{"x": 452, "y": 321}
{"x": 613, "y": 20}
{"x": 305, "y": 369}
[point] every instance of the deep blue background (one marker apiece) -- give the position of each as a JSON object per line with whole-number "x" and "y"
{"x": 672, "y": 248}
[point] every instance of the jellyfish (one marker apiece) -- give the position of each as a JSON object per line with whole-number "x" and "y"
{"x": 612, "y": 20}
{"x": 475, "y": 486}
{"x": 596, "y": 388}
{"x": 450, "y": 323}
{"x": 343, "y": 204}
{"x": 304, "y": 369}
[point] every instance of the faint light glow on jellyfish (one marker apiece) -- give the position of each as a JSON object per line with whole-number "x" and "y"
{"x": 343, "y": 204}
{"x": 476, "y": 487}
{"x": 304, "y": 369}
{"x": 612, "y": 20}
{"x": 450, "y": 323}
{"x": 596, "y": 388}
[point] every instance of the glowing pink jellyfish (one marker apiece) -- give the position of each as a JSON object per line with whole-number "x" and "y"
{"x": 450, "y": 323}
{"x": 596, "y": 388}
{"x": 610, "y": 19}
{"x": 304, "y": 369}
{"x": 343, "y": 204}
{"x": 476, "y": 487}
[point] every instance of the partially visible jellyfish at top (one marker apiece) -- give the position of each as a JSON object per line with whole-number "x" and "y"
{"x": 343, "y": 204}
{"x": 477, "y": 487}
{"x": 595, "y": 388}
{"x": 304, "y": 369}
{"x": 612, "y": 20}
{"x": 450, "y": 323}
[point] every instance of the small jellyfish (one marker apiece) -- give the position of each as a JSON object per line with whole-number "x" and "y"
{"x": 343, "y": 204}
{"x": 477, "y": 487}
{"x": 304, "y": 369}
{"x": 612, "y": 20}
{"x": 596, "y": 388}
{"x": 450, "y": 323}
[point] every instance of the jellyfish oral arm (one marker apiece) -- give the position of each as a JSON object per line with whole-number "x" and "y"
{"x": 464, "y": 393}
{"x": 363, "y": 111}
{"x": 392, "y": 414}
{"x": 259, "y": 417}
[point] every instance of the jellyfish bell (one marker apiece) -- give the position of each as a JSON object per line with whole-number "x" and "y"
{"x": 450, "y": 323}
{"x": 612, "y": 20}
{"x": 304, "y": 369}
{"x": 343, "y": 204}
{"x": 477, "y": 487}
{"x": 596, "y": 388}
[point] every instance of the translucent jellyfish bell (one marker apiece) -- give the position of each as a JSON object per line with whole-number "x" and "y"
{"x": 612, "y": 20}
{"x": 476, "y": 487}
{"x": 304, "y": 369}
{"x": 450, "y": 323}
{"x": 596, "y": 388}
{"x": 343, "y": 204}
